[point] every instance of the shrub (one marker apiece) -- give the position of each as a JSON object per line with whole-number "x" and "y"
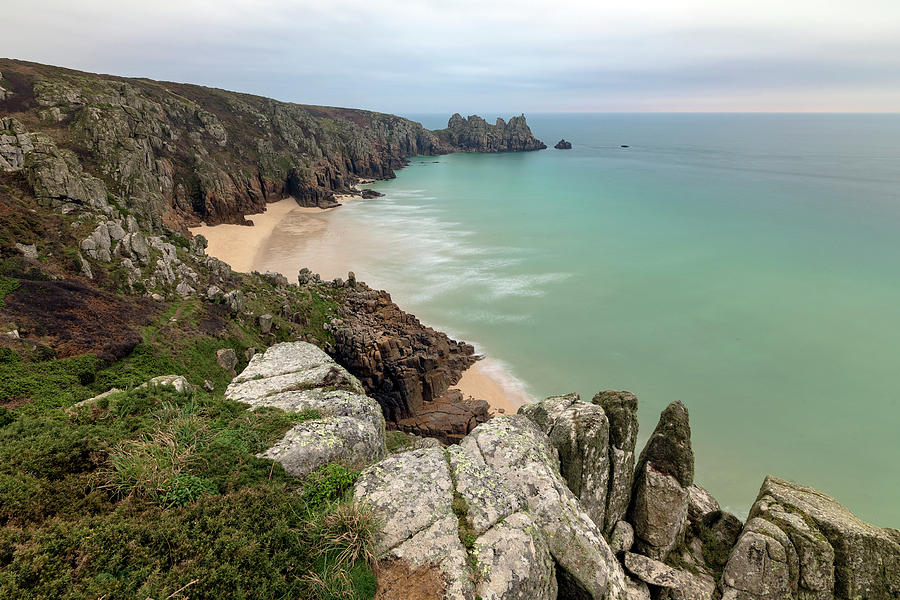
{"x": 328, "y": 484}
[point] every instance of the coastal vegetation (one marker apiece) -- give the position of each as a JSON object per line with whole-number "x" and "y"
{"x": 172, "y": 429}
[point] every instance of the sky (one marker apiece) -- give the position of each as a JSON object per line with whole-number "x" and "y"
{"x": 488, "y": 56}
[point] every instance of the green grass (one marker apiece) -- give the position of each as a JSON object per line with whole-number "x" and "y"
{"x": 7, "y": 287}
{"x": 397, "y": 441}
{"x": 143, "y": 492}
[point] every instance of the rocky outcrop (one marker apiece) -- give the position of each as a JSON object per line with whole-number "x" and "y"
{"x": 298, "y": 377}
{"x": 452, "y": 530}
{"x": 675, "y": 583}
{"x": 659, "y": 499}
{"x": 525, "y": 459}
{"x": 620, "y": 408}
{"x": 448, "y": 418}
{"x": 474, "y": 134}
{"x": 563, "y": 145}
{"x": 596, "y": 450}
{"x": 580, "y": 433}
{"x": 799, "y": 543}
{"x": 402, "y": 363}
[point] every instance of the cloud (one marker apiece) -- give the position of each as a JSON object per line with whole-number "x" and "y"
{"x": 488, "y": 55}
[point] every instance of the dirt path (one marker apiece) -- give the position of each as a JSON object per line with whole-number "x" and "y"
{"x": 173, "y": 319}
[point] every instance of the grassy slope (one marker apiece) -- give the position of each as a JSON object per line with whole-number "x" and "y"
{"x": 149, "y": 491}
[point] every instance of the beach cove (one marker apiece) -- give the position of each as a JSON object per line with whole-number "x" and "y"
{"x": 287, "y": 237}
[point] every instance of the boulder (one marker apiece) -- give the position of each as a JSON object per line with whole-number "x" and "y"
{"x": 174, "y": 381}
{"x": 677, "y": 584}
{"x": 299, "y": 377}
{"x": 227, "y": 359}
{"x": 580, "y": 433}
{"x": 800, "y": 543}
{"x": 235, "y": 301}
{"x": 184, "y": 290}
{"x": 622, "y": 537}
{"x": 289, "y": 366}
{"x": 525, "y": 459}
{"x": 669, "y": 446}
{"x": 215, "y": 294}
{"x": 312, "y": 444}
{"x": 621, "y": 412}
{"x": 659, "y": 499}
{"x": 265, "y": 323}
{"x": 448, "y": 418}
{"x": 452, "y": 529}
{"x": 27, "y": 250}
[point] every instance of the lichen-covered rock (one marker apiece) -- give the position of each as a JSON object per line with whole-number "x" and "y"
{"x": 669, "y": 446}
{"x": 227, "y": 359}
{"x": 488, "y": 497}
{"x": 677, "y": 584}
{"x": 621, "y": 412}
{"x": 524, "y": 457}
{"x": 580, "y": 433}
{"x": 514, "y": 562}
{"x": 56, "y": 176}
{"x": 179, "y": 383}
{"x": 658, "y": 512}
{"x": 424, "y": 497}
{"x": 296, "y": 377}
{"x": 289, "y": 366}
{"x": 659, "y": 497}
{"x": 800, "y": 543}
{"x": 15, "y": 143}
{"x": 412, "y": 493}
{"x": 311, "y": 444}
{"x": 622, "y": 537}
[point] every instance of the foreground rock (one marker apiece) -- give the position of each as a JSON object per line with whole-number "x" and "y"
{"x": 596, "y": 452}
{"x": 620, "y": 408}
{"x": 474, "y": 134}
{"x": 799, "y": 543}
{"x": 453, "y": 530}
{"x": 298, "y": 377}
{"x": 580, "y": 433}
{"x": 665, "y": 470}
{"x": 525, "y": 459}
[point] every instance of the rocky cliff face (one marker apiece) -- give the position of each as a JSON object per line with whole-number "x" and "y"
{"x": 474, "y": 134}
{"x": 174, "y": 153}
{"x": 402, "y": 363}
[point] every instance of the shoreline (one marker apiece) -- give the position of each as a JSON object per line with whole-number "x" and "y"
{"x": 287, "y": 236}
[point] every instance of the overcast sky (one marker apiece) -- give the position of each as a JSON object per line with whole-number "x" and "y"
{"x": 489, "y": 56}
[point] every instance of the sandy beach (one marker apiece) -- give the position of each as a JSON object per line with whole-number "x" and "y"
{"x": 488, "y": 381}
{"x": 287, "y": 237}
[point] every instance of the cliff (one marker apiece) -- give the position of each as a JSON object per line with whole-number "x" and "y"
{"x": 167, "y": 424}
{"x": 477, "y": 135}
{"x": 176, "y": 154}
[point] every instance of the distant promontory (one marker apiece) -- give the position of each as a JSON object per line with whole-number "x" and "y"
{"x": 474, "y": 134}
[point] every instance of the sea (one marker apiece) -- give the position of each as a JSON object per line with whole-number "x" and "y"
{"x": 747, "y": 265}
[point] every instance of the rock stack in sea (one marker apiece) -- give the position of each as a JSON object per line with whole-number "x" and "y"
{"x": 474, "y": 134}
{"x": 563, "y": 145}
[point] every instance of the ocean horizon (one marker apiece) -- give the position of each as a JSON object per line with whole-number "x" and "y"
{"x": 743, "y": 264}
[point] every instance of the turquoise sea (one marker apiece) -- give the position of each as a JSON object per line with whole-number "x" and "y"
{"x": 747, "y": 265}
